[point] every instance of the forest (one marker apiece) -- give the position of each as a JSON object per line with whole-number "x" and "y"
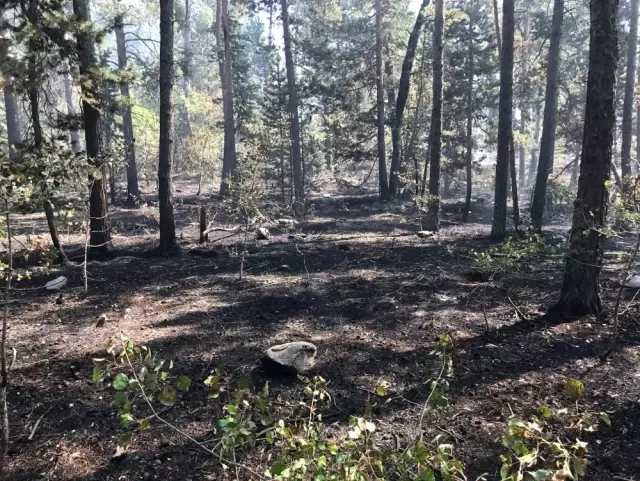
{"x": 323, "y": 240}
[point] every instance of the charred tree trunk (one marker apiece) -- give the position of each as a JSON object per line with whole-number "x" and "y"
{"x": 499, "y": 227}
{"x": 382, "y": 162}
{"x": 186, "y": 70}
{"x": 167, "y": 224}
{"x": 580, "y": 289}
{"x": 432, "y": 219}
{"x": 547, "y": 144}
{"x": 627, "y": 106}
{"x": 100, "y": 236}
{"x": 469, "y": 156}
{"x": 133, "y": 190}
{"x": 296, "y": 159}
{"x": 223, "y": 42}
{"x": 10, "y": 106}
{"x": 401, "y": 102}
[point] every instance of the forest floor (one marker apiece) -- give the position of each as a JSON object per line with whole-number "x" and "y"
{"x": 363, "y": 287}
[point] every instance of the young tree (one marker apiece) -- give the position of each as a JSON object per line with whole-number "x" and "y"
{"x": 499, "y": 227}
{"x": 223, "y": 43}
{"x": 10, "y": 106}
{"x": 401, "y": 100}
{"x": 382, "y": 163}
{"x": 133, "y": 191}
{"x": 71, "y": 109}
{"x": 627, "y": 107}
{"x": 186, "y": 70}
{"x": 432, "y": 220}
{"x": 167, "y": 225}
{"x": 99, "y": 221}
{"x": 580, "y": 289}
{"x": 296, "y": 160}
{"x": 547, "y": 144}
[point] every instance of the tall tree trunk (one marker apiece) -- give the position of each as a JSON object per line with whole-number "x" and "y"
{"x": 522, "y": 175}
{"x": 133, "y": 190}
{"x": 186, "y": 70}
{"x": 382, "y": 163}
{"x": 391, "y": 101}
{"x": 547, "y": 144}
{"x": 296, "y": 159}
{"x": 499, "y": 227}
{"x": 580, "y": 289}
{"x": 469, "y": 156}
{"x": 167, "y": 224}
{"x": 533, "y": 164}
{"x": 401, "y": 101}
{"x": 511, "y": 167}
{"x": 223, "y": 42}
{"x": 100, "y": 236}
{"x": 627, "y": 106}
{"x": 10, "y": 107}
{"x": 432, "y": 219}
{"x": 71, "y": 110}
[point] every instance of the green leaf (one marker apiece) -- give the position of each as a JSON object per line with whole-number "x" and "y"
{"x": 122, "y": 398}
{"x": 243, "y": 383}
{"x": 184, "y": 383}
{"x": 426, "y": 475}
{"x": 145, "y": 423}
{"x": 574, "y": 388}
{"x": 545, "y": 411}
{"x": 605, "y": 418}
{"x": 126, "y": 419}
{"x": 231, "y": 409}
{"x": 151, "y": 381}
{"x": 167, "y": 396}
{"x": 277, "y": 468}
{"x": 124, "y": 440}
{"x": 540, "y": 474}
{"x": 381, "y": 391}
{"x": 121, "y": 382}
{"x": 97, "y": 376}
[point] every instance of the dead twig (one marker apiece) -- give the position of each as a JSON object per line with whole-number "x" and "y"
{"x": 35, "y": 426}
{"x": 518, "y": 312}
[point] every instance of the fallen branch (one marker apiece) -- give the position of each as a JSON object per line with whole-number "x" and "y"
{"x": 35, "y": 426}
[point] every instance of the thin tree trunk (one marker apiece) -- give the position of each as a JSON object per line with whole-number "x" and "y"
{"x": 627, "y": 107}
{"x": 133, "y": 189}
{"x": 401, "y": 101}
{"x": 496, "y": 22}
{"x": 382, "y": 163}
{"x": 514, "y": 183}
{"x": 296, "y": 160}
{"x": 547, "y": 144}
{"x": 186, "y": 70}
{"x": 432, "y": 219}
{"x": 469, "y": 156}
{"x": 580, "y": 289}
{"x": 100, "y": 236}
{"x": 499, "y": 227}
{"x": 533, "y": 165}
{"x": 71, "y": 110}
{"x": 522, "y": 175}
{"x": 223, "y": 41}
{"x": 167, "y": 224}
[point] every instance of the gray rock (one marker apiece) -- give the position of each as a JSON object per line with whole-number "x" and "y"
{"x": 263, "y": 233}
{"x": 633, "y": 282}
{"x": 290, "y": 358}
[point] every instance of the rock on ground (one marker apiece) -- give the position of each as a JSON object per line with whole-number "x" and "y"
{"x": 290, "y": 358}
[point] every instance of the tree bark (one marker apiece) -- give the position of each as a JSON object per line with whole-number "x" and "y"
{"x": 533, "y": 165}
{"x": 10, "y": 107}
{"x": 100, "y": 236}
{"x": 432, "y": 219}
{"x": 547, "y": 143}
{"x": 469, "y": 156}
{"x": 382, "y": 163}
{"x": 167, "y": 224}
{"x": 401, "y": 101}
{"x": 580, "y": 289}
{"x": 296, "y": 159}
{"x": 223, "y": 42}
{"x": 71, "y": 110}
{"x": 499, "y": 227}
{"x": 133, "y": 190}
{"x": 627, "y": 106}
{"x": 186, "y": 70}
